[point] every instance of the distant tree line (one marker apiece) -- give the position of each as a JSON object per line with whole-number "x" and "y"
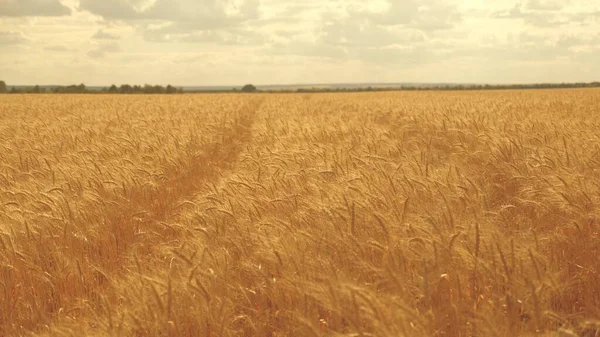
{"x": 169, "y": 89}
{"x": 452, "y": 87}
{"x": 82, "y": 89}
{"x": 146, "y": 89}
{"x": 70, "y": 89}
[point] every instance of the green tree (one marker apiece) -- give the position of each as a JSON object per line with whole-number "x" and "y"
{"x": 171, "y": 89}
{"x": 3, "y": 88}
{"x": 248, "y": 88}
{"x": 113, "y": 89}
{"x": 126, "y": 89}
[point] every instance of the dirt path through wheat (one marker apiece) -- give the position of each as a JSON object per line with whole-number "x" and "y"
{"x": 133, "y": 225}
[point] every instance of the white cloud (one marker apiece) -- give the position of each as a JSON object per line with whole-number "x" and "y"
{"x": 11, "y": 38}
{"x": 364, "y": 34}
{"x": 18, "y": 8}
{"x": 426, "y": 15}
{"x": 543, "y": 5}
{"x": 57, "y": 48}
{"x": 102, "y": 35}
{"x": 548, "y": 14}
{"x": 195, "y": 42}
{"x": 204, "y": 14}
{"x": 104, "y": 49}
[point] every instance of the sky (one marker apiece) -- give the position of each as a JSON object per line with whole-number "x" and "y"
{"x": 233, "y": 42}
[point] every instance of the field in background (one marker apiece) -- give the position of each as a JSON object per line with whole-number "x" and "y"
{"x": 372, "y": 214}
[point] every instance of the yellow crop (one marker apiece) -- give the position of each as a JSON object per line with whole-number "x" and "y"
{"x": 370, "y": 214}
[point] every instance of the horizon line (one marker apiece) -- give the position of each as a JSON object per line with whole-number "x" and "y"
{"x": 308, "y": 84}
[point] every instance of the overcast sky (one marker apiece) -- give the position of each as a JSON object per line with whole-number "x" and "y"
{"x": 232, "y": 42}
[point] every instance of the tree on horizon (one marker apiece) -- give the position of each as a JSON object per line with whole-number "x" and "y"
{"x": 248, "y": 88}
{"x": 3, "y": 87}
{"x": 126, "y": 89}
{"x": 171, "y": 89}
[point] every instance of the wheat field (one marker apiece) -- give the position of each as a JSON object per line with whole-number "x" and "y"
{"x": 368, "y": 214}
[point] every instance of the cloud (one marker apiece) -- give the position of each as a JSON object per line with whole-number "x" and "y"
{"x": 233, "y": 37}
{"x": 395, "y": 31}
{"x": 104, "y": 49}
{"x": 112, "y": 9}
{"x": 513, "y": 13}
{"x": 11, "y": 38}
{"x": 309, "y": 49}
{"x": 528, "y": 48}
{"x": 283, "y": 41}
{"x": 545, "y": 17}
{"x": 18, "y": 8}
{"x": 102, "y": 35}
{"x": 190, "y": 21}
{"x": 175, "y": 32}
{"x": 366, "y": 34}
{"x": 427, "y": 15}
{"x": 567, "y": 41}
{"x": 585, "y": 17}
{"x": 200, "y": 14}
{"x": 57, "y": 48}
{"x": 546, "y": 14}
{"x": 539, "y": 5}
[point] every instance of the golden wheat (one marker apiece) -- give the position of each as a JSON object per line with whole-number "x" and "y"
{"x": 372, "y": 214}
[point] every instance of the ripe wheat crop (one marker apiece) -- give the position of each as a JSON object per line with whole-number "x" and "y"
{"x": 369, "y": 214}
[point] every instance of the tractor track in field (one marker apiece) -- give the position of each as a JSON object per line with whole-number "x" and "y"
{"x": 136, "y": 221}
{"x": 161, "y": 203}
